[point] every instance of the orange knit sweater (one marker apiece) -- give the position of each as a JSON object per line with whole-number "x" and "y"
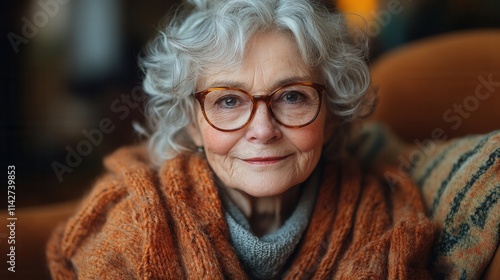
{"x": 138, "y": 223}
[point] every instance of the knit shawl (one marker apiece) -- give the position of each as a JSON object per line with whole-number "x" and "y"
{"x": 138, "y": 223}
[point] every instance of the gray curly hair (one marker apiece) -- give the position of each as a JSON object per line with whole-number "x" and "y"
{"x": 208, "y": 35}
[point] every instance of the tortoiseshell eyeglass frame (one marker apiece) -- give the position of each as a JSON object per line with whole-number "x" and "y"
{"x": 267, "y": 99}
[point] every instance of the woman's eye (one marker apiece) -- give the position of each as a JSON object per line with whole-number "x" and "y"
{"x": 227, "y": 102}
{"x": 292, "y": 97}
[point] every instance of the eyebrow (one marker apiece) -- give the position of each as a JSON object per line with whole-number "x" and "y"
{"x": 277, "y": 84}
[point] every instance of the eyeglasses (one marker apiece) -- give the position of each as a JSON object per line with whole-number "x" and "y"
{"x": 293, "y": 105}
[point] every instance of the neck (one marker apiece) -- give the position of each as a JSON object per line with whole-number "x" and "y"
{"x": 265, "y": 214}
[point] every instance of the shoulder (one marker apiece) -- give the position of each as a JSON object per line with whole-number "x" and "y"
{"x": 113, "y": 222}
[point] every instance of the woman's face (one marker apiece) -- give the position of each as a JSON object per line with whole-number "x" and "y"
{"x": 263, "y": 158}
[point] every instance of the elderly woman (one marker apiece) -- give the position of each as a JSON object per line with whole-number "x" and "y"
{"x": 250, "y": 102}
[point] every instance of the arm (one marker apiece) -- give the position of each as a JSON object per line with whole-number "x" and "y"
{"x": 459, "y": 180}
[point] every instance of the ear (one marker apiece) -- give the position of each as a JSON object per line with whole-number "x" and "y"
{"x": 194, "y": 133}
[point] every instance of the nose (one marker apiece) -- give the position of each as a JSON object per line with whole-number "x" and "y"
{"x": 262, "y": 128}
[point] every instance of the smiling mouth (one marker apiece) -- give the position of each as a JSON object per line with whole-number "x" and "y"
{"x": 264, "y": 160}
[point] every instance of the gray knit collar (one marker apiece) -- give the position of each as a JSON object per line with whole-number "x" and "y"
{"x": 264, "y": 257}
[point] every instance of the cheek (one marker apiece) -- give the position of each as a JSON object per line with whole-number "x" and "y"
{"x": 218, "y": 142}
{"x": 309, "y": 138}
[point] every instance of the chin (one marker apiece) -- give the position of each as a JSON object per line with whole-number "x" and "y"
{"x": 265, "y": 191}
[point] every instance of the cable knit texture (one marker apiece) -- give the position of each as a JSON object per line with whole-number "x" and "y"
{"x": 138, "y": 223}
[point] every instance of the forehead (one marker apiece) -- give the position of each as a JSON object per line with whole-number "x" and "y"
{"x": 271, "y": 59}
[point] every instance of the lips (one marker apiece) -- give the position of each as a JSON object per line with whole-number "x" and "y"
{"x": 265, "y": 160}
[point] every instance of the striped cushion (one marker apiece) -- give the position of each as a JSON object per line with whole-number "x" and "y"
{"x": 460, "y": 183}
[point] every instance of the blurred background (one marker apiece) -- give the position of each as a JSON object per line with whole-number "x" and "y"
{"x": 70, "y": 85}
{"x": 67, "y": 66}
